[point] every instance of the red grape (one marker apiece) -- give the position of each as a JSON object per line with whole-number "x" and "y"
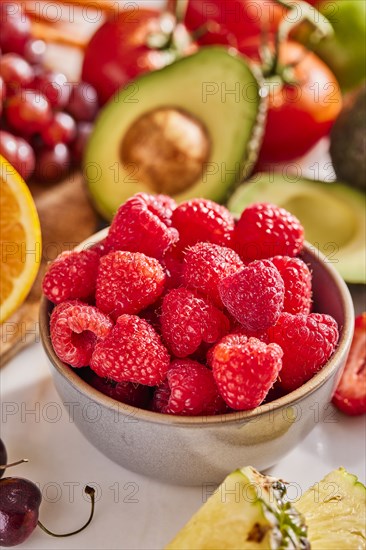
{"x": 83, "y": 103}
{"x": 84, "y": 130}
{"x": 61, "y": 129}
{"x": 15, "y": 28}
{"x": 34, "y": 51}
{"x": 53, "y": 164}
{"x": 16, "y": 72}
{"x": 18, "y": 152}
{"x": 54, "y": 86}
{"x": 28, "y": 112}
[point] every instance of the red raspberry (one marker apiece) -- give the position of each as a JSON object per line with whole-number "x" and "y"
{"x": 190, "y": 390}
{"x": 161, "y": 397}
{"x": 135, "y": 395}
{"x": 200, "y": 220}
{"x": 128, "y": 282}
{"x": 75, "y": 328}
{"x": 161, "y": 205}
{"x": 132, "y": 352}
{"x": 265, "y": 230}
{"x": 187, "y": 320}
{"x": 173, "y": 264}
{"x": 236, "y": 336}
{"x": 72, "y": 275}
{"x": 100, "y": 247}
{"x": 205, "y": 265}
{"x": 297, "y": 279}
{"x": 307, "y": 341}
{"x": 137, "y": 228}
{"x": 245, "y": 370}
{"x": 254, "y": 295}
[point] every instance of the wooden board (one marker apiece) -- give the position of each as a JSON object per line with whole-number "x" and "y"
{"x": 67, "y": 218}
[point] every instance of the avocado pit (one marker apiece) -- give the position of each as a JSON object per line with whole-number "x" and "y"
{"x": 168, "y": 149}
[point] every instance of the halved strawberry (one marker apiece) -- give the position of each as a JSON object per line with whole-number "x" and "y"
{"x": 350, "y": 395}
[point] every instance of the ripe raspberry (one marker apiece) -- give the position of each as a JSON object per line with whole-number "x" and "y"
{"x": 71, "y": 276}
{"x": 187, "y": 320}
{"x": 297, "y": 279}
{"x": 75, "y": 328}
{"x": 137, "y": 228}
{"x": 201, "y": 220}
{"x": 132, "y": 352}
{"x": 100, "y": 247}
{"x": 189, "y": 390}
{"x": 161, "y": 397}
{"x": 254, "y": 295}
{"x": 307, "y": 341}
{"x": 236, "y": 336}
{"x": 129, "y": 393}
{"x": 245, "y": 370}
{"x": 161, "y": 205}
{"x": 128, "y": 282}
{"x": 173, "y": 264}
{"x": 265, "y": 230}
{"x": 205, "y": 265}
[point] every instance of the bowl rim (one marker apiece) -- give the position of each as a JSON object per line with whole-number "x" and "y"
{"x": 290, "y": 399}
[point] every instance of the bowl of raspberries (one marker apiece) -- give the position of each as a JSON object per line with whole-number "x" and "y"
{"x": 191, "y": 342}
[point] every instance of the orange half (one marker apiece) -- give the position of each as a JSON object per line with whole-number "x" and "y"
{"x": 20, "y": 240}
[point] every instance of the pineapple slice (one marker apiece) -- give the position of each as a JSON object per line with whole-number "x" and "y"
{"x": 246, "y": 512}
{"x": 335, "y": 512}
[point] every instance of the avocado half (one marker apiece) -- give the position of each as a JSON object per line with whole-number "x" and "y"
{"x": 333, "y": 216}
{"x": 191, "y": 129}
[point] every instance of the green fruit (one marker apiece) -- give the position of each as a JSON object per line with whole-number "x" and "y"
{"x": 335, "y": 512}
{"x": 245, "y": 513}
{"x": 348, "y": 141}
{"x": 333, "y": 216}
{"x": 345, "y": 51}
{"x": 190, "y": 129}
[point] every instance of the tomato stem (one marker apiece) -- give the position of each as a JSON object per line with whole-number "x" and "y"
{"x": 179, "y": 9}
{"x": 323, "y": 28}
{"x": 89, "y": 491}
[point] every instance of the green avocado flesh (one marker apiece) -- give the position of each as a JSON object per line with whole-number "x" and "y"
{"x": 249, "y": 511}
{"x": 190, "y": 129}
{"x": 333, "y": 216}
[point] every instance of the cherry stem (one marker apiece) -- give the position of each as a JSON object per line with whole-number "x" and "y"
{"x": 3, "y": 467}
{"x": 89, "y": 491}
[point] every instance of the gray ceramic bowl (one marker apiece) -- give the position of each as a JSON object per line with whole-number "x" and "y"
{"x": 196, "y": 450}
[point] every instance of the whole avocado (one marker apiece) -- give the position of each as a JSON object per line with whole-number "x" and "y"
{"x": 348, "y": 141}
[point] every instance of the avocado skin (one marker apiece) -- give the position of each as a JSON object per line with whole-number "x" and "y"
{"x": 348, "y": 141}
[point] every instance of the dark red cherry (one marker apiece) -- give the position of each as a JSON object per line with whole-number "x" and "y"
{"x": 19, "y": 507}
{"x": 3, "y": 457}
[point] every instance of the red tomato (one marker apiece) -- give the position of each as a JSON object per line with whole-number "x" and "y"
{"x": 302, "y": 113}
{"x": 350, "y": 395}
{"x": 245, "y": 19}
{"x": 118, "y": 51}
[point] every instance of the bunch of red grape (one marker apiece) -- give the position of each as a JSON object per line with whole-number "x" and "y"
{"x": 45, "y": 120}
